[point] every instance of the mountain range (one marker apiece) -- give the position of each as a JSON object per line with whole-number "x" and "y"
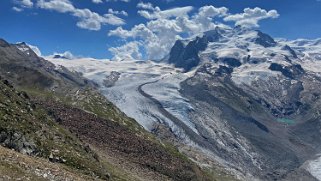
{"x": 228, "y": 104}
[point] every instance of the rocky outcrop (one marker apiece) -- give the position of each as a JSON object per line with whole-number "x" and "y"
{"x": 264, "y": 39}
{"x": 111, "y": 79}
{"x": 18, "y": 142}
{"x": 290, "y": 50}
{"x": 293, "y": 71}
{"x": 186, "y": 57}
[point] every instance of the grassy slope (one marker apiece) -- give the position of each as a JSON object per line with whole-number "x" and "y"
{"x": 18, "y": 116}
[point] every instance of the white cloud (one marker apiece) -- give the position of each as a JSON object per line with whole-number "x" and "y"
{"x": 251, "y": 17}
{"x": 97, "y": 1}
{"x": 118, "y": 0}
{"x": 62, "y": 6}
{"x": 206, "y": 14}
{"x": 143, "y": 5}
{"x": 166, "y": 26}
{"x": 17, "y": 9}
{"x": 35, "y": 49}
{"x": 24, "y": 3}
{"x": 87, "y": 19}
{"x": 157, "y": 13}
{"x": 111, "y": 11}
{"x": 158, "y": 35}
{"x": 128, "y": 51}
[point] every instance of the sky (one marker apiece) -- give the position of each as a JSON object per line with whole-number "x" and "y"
{"x": 146, "y": 29}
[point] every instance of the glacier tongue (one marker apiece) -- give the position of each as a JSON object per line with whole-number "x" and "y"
{"x": 125, "y": 95}
{"x": 166, "y": 91}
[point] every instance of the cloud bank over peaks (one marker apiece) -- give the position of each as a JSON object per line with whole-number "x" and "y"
{"x": 35, "y": 49}
{"x": 129, "y": 51}
{"x": 251, "y": 17}
{"x": 164, "y": 27}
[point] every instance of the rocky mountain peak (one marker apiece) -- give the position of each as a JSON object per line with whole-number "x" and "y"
{"x": 213, "y": 35}
{"x": 290, "y": 50}
{"x": 25, "y": 48}
{"x": 264, "y": 39}
{"x": 3, "y": 43}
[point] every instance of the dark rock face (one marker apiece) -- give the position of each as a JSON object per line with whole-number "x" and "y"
{"x": 176, "y": 51}
{"x": 187, "y": 57}
{"x": 292, "y": 52}
{"x": 223, "y": 70}
{"x": 3, "y": 43}
{"x": 231, "y": 62}
{"x": 213, "y": 35}
{"x": 264, "y": 40}
{"x": 60, "y": 56}
{"x": 110, "y": 80}
{"x": 292, "y": 72}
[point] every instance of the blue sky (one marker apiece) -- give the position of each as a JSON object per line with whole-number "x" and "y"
{"x": 55, "y": 30}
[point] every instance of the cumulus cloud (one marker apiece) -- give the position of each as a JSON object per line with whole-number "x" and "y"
{"x": 17, "y": 9}
{"x": 157, "y": 13}
{"x": 24, "y": 3}
{"x": 251, "y": 17}
{"x": 143, "y": 5}
{"x": 62, "y": 6}
{"x": 129, "y": 51}
{"x": 157, "y": 36}
{"x": 87, "y": 19}
{"x": 126, "y": 1}
{"x": 111, "y": 11}
{"x": 166, "y": 26}
{"x": 35, "y": 49}
{"x": 97, "y": 1}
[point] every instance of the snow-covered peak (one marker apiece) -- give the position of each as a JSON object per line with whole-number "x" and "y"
{"x": 247, "y": 46}
{"x": 309, "y": 49}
